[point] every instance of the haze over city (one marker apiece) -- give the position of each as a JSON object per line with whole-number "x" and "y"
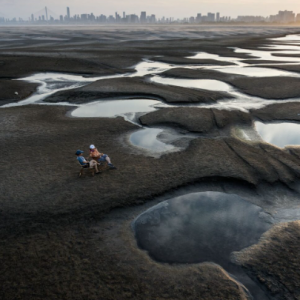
{"x": 176, "y": 9}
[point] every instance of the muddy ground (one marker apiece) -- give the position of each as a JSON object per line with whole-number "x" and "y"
{"x": 136, "y": 87}
{"x": 267, "y": 87}
{"x": 65, "y": 237}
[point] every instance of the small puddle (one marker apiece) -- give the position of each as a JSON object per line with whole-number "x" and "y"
{"x": 256, "y": 72}
{"x": 206, "y": 84}
{"x": 279, "y": 134}
{"x": 127, "y": 108}
{"x": 147, "y": 139}
{"x": 202, "y": 227}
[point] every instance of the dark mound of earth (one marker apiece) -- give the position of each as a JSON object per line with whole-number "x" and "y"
{"x": 15, "y": 90}
{"x": 136, "y": 87}
{"x": 202, "y": 120}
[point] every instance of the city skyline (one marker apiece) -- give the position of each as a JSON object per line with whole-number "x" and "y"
{"x": 177, "y": 9}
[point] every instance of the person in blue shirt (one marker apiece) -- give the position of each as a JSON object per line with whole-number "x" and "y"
{"x": 86, "y": 164}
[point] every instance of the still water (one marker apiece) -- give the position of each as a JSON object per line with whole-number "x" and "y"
{"x": 147, "y": 138}
{"x": 206, "y": 84}
{"x": 200, "y": 227}
{"x": 203, "y": 227}
{"x": 114, "y": 108}
{"x": 279, "y": 134}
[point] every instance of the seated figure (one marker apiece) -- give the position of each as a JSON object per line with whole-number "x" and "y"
{"x": 84, "y": 163}
{"x": 100, "y": 157}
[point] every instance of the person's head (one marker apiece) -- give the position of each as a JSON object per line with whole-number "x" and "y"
{"x": 78, "y": 152}
{"x": 92, "y": 147}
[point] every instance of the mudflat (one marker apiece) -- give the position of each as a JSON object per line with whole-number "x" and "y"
{"x": 70, "y": 238}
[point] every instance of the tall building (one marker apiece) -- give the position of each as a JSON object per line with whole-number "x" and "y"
{"x": 46, "y": 10}
{"x": 32, "y": 18}
{"x": 198, "y": 18}
{"x": 218, "y": 17}
{"x": 283, "y": 16}
{"x": 298, "y": 18}
{"x": 68, "y": 13}
{"x": 143, "y": 17}
{"x": 124, "y": 15}
{"x": 84, "y": 17}
{"x": 152, "y": 19}
{"x": 210, "y": 17}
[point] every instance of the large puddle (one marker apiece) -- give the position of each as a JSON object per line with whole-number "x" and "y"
{"x": 202, "y": 227}
{"x": 279, "y": 134}
{"x": 127, "y": 108}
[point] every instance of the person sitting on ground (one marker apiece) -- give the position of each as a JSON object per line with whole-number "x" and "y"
{"x": 86, "y": 164}
{"x": 100, "y": 157}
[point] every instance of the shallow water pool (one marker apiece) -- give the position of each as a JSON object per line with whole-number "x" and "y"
{"x": 279, "y": 134}
{"x": 206, "y": 84}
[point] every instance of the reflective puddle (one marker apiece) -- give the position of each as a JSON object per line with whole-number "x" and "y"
{"x": 114, "y": 108}
{"x": 147, "y": 138}
{"x": 206, "y": 84}
{"x": 256, "y": 72}
{"x": 279, "y": 134}
{"x": 202, "y": 227}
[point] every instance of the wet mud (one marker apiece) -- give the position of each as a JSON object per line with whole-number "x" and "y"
{"x": 70, "y": 238}
{"x": 136, "y": 87}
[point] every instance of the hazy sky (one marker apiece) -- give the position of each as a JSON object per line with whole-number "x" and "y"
{"x": 167, "y": 8}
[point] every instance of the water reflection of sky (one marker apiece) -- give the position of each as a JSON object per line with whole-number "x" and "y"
{"x": 256, "y": 71}
{"x": 147, "y": 139}
{"x": 279, "y": 134}
{"x": 206, "y": 84}
{"x": 200, "y": 227}
{"x": 113, "y": 108}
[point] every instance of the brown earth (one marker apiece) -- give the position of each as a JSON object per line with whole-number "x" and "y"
{"x": 289, "y": 68}
{"x": 135, "y": 87}
{"x": 47, "y": 227}
{"x": 201, "y": 120}
{"x": 262, "y": 62}
{"x": 9, "y": 88}
{"x": 70, "y": 238}
{"x": 289, "y": 111}
{"x": 286, "y": 55}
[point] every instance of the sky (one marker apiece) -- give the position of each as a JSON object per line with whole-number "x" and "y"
{"x": 167, "y": 8}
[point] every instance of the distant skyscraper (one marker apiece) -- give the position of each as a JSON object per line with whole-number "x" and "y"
{"x": 46, "y": 10}
{"x": 198, "y": 18}
{"x": 210, "y": 17}
{"x": 218, "y": 17}
{"x": 32, "y": 18}
{"x": 143, "y": 17}
{"x": 68, "y": 13}
{"x": 124, "y": 15}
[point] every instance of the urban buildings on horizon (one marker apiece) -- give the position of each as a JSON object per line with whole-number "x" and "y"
{"x": 46, "y": 16}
